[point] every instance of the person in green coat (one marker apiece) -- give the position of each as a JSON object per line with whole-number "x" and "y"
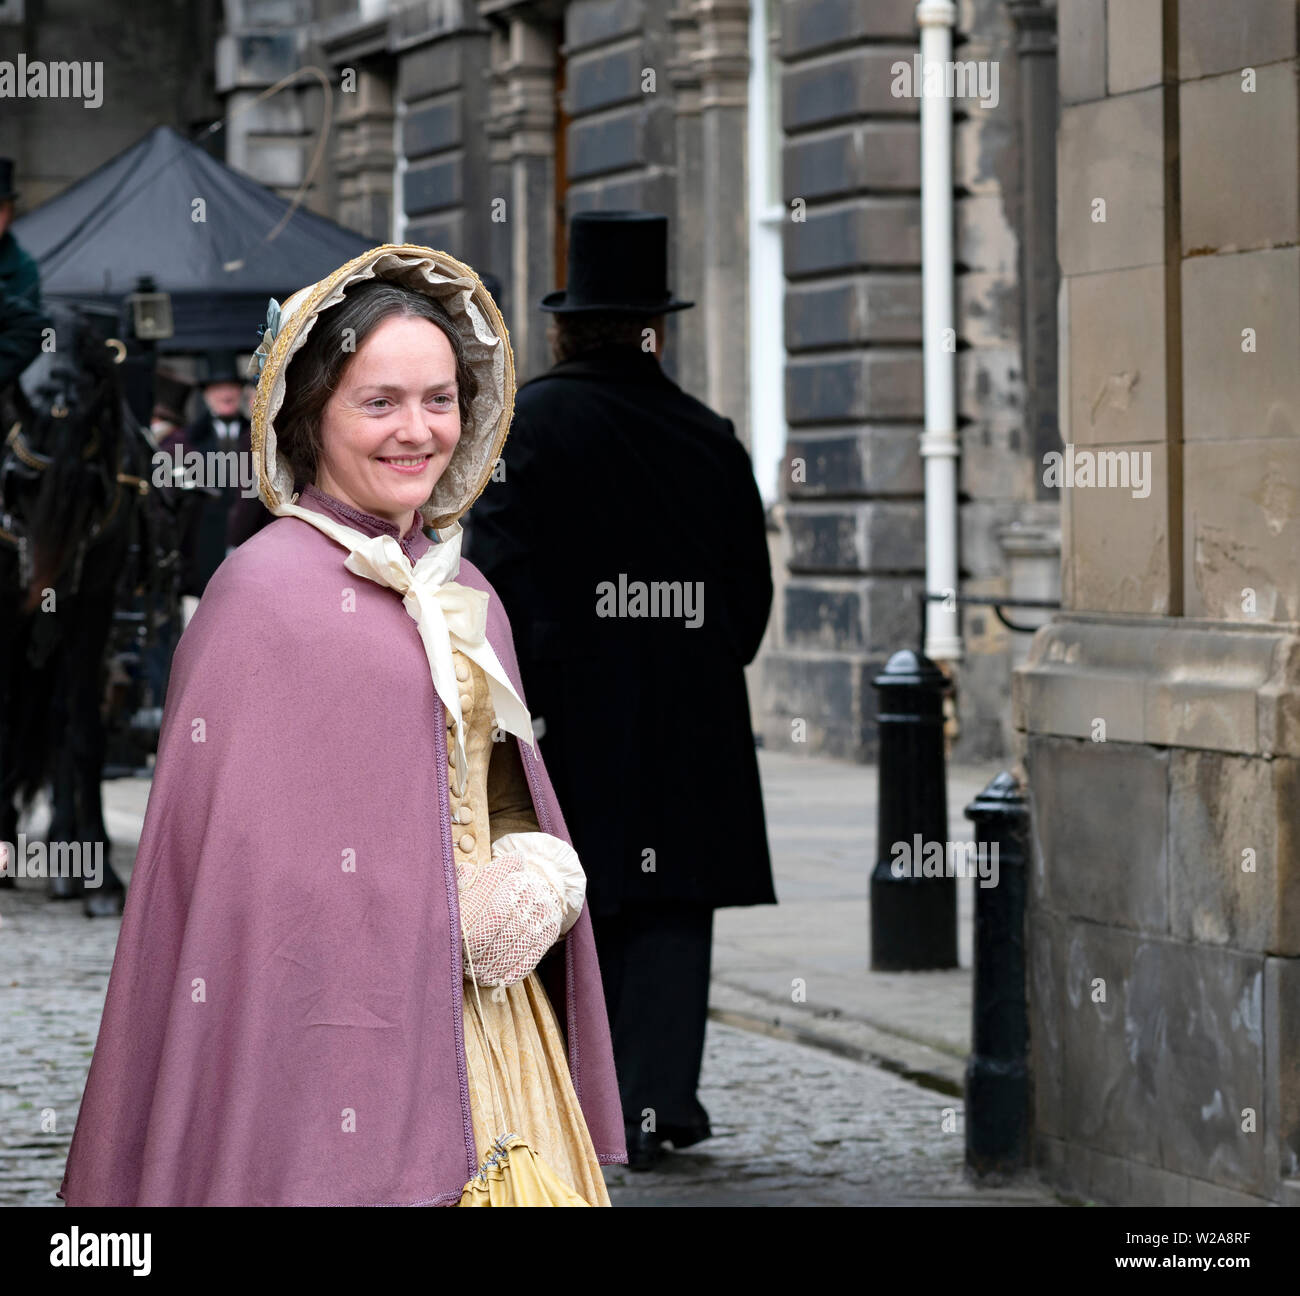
{"x": 21, "y": 317}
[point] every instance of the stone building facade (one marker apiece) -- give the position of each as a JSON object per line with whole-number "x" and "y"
{"x": 769, "y": 133}
{"x": 1160, "y": 712}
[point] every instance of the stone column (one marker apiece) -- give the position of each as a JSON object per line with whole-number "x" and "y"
{"x": 364, "y": 157}
{"x": 693, "y": 184}
{"x": 722, "y": 63}
{"x": 497, "y": 133}
{"x": 523, "y": 154}
{"x": 1036, "y": 48}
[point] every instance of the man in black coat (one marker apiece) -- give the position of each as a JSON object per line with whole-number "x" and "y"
{"x": 626, "y": 537}
{"x": 226, "y": 517}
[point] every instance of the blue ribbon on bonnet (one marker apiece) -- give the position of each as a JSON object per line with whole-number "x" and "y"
{"x": 271, "y": 328}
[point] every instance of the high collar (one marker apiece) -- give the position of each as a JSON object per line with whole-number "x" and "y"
{"x": 414, "y": 543}
{"x": 627, "y": 361}
{"x": 11, "y": 251}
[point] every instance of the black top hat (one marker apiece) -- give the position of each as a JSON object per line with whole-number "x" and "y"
{"x": 618, "y": 261}
{"x": 7, "y": 190}
{"x": 170, "y": 395}
{"x": 220, "y": 367}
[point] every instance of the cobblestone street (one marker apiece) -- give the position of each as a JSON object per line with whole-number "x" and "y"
{"x": 54, "y": 965}
{"x": 798, "y": 1126}
{"x": 793, "y": 1125}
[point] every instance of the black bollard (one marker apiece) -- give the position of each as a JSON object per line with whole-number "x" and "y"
{"x": 913, "y": 918}
{"x": 997, "y": 1072}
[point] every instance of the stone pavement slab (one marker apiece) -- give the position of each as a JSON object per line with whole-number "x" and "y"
{"x": 815, "y": 942}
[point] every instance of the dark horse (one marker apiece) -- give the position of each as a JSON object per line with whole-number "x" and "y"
{"x": 73, "y": 473}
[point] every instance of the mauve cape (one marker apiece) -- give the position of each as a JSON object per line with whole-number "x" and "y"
{"x": 260, "y": 993}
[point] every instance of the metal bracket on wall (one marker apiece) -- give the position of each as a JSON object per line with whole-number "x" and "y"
{"x": 925, "y": 598}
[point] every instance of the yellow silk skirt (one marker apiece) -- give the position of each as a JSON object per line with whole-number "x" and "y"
{"x": 513, "y": 1045}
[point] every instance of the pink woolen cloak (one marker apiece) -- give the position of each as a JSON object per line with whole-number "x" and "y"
{"x": 281, "y": 1029}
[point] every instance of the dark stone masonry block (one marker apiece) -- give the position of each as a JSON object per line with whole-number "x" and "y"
{"x": 606, "y": 78}
{"x": 433, "y": 186}
{"x": 1100, "y": 818}
{"x": 591, "y": 22}
{"x": 822, "y": 705}
{"x": 431, "y": 69}
{"x": 857, "y": 538}
{"x": 865, "y": 308}
{"x": 854, "y": 236}
{"x": 1169, "y": 1066}
{"x": 431, "y": 129}
{"x": 874, "y": 384}
{"x": 876, "y": 615}
{"x": 639, "y": 135}
{"x": 811, "y": 25}
{"x": 844, "y": 87}
{"x": 869, "y": 460}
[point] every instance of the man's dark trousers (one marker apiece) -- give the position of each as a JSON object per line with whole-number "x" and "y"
{"x": 654, "y": 962}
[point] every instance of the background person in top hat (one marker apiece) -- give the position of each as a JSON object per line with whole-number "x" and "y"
{"x": 167, "y": 420}
{"x": 647, "y": 731}
{"x": 224, "y": 519}
{"x": 166, "y": 428}
{"x": 21, "y": 316}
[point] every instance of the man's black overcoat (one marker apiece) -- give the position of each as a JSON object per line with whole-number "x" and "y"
{"x": 224, "y": 521}
{"x": 612, "y": 475}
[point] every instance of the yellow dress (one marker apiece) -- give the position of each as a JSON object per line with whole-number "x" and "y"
{"x": 512, "y": 1030}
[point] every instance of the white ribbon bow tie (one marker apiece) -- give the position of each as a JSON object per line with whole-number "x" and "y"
{"x": 447, "y": 616}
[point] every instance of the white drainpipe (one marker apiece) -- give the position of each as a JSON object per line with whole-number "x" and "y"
{"x": 939, "y": 445}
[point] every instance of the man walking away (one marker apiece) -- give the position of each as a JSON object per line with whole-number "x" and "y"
{"x": 626, "y": 537}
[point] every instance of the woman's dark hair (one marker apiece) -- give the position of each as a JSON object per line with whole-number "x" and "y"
{"x": 314, "y": 373}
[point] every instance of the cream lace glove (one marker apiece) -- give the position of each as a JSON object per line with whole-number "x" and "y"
{"x": 515, "y": 907}
{"x": 553, "y": 859}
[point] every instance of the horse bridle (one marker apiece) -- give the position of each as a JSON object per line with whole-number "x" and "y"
{"x": 37, "y": 463}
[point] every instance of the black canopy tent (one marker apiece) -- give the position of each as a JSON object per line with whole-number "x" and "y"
{"x": 139, "y": 214}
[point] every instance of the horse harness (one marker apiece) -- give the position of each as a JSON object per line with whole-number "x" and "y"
{"x": 11, "y": 530}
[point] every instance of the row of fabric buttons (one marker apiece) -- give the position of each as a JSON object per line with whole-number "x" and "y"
{"x": 466, "y": 693}
{"x": 461, "y": 813}
{"x": 466, "y": 697}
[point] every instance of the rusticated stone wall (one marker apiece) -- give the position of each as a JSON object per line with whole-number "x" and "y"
{"x": 1161, "y": 711}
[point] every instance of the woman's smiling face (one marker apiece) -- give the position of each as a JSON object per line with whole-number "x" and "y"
{"x": 389, "y": 429}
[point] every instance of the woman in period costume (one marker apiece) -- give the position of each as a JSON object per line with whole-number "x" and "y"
{"x": 355, "y": 967}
